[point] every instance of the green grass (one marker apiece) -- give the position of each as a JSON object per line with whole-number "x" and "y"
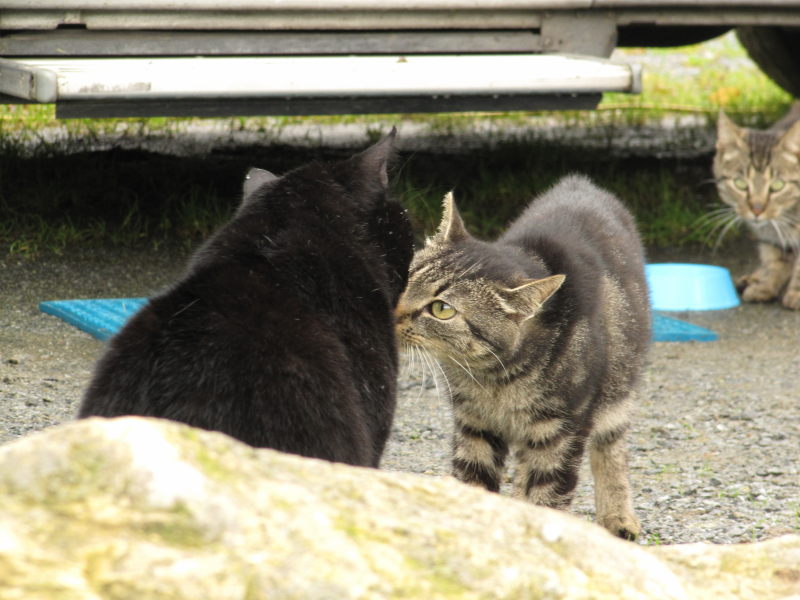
{"x": 492, "y": 188}
{"x": 653, "y": 539}
{"x": 129, "y": 198}
{"x": 723, "y": 78}
{"x": 56, "y": 193}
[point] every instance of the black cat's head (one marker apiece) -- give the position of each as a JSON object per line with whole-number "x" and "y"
{"x": 350, "y": 197}
{"x": 387, "y": 221}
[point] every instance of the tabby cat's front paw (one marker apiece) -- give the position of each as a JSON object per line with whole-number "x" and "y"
{"x": 626, "y": 527}
{"x": 759, "y": 292}
{"x": 791, "y": 299}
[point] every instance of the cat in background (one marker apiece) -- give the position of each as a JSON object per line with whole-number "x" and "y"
{"x": 758, "y": 178}
{"x": 541, "y": 336}
{"x": 280, "y": 333}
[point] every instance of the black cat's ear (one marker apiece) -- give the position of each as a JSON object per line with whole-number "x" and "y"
{"x": 254, "y": 179}
{"x": 451, "y": 229}
{"x": 375, "y": 160}
{"x": 528, "y": 298}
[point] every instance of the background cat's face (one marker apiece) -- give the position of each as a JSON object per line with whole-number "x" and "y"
{"x": 758, "y": 172}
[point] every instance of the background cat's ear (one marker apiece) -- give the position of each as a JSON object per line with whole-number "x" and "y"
{"x": 377, "y": 157}
{"x": 529, "y": 297}
{"x": 790, "y": 142}
{"x": 729, "y": 135}
{"x": 451, "y": 228}
{"x": 254, "y": 179}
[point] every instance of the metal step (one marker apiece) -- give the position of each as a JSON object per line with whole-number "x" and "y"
{"x": 161, "y": 85}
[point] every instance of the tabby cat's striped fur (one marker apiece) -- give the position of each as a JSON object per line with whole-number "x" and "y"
{"x": 541, "y": 335}
{"x": 758, "y": 179}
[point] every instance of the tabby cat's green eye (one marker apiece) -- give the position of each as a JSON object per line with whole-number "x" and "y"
{"x": 776, "y": 185}
{"x": 441, "y": 310}
{"x": 740, "y": 183}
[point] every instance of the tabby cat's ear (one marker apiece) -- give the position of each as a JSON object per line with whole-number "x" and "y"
{"x": 254, "y": 179}
{"x": 729, "y": 135}
{"x": 529, "y": 297}
{"x": 790, "y": 142}
{"x": 375, "y": 159}
{"x": 451, "y": 229}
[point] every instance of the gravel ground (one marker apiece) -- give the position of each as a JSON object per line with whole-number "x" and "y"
{"x": 714, "y": 445}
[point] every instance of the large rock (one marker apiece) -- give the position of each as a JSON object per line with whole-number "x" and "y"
{"x": 136, "y": 509}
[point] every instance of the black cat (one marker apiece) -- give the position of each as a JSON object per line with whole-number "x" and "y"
{"x": 280, "y": 333}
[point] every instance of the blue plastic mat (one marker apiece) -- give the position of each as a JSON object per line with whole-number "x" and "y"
{"x": 103, "y": 317}
{"x": 667, "y": 329}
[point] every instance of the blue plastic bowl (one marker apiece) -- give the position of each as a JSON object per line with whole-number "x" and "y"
{"x": 681, "y": 286}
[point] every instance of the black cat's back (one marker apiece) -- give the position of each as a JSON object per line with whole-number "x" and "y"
{"x": 280, "y": 332}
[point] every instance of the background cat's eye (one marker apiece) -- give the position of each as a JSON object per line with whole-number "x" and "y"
{"x": 777, "y": 185}
{"x": 441, "y": 310}
{"x": 740, "y": 183}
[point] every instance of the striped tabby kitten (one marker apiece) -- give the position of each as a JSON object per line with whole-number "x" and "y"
{"x": 541, "y": 335}
{"x": 758, "y": 178}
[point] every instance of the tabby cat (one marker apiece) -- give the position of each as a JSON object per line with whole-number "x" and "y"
{"x": 541, "y": 336}
{"x": 758, "y": 179}
{"x": 280, "y": 333}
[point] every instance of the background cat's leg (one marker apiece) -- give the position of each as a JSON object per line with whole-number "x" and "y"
{"x": 766, "y": 282}
{"x": 608, "y": 455}
{"x": 547, "y": 469}
{"x": 478, "y": 457}
{"x": 791, "y": 298}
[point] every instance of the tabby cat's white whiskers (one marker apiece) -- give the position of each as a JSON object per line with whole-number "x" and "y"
{"x": 467, "y": 370}
{"x": 713, "y": 215}
{"x": 722, "y": 217}
{"x": 423, "y": 368}
{"x": 732, "y": 223}
{"x": 428, "y": 361}
{"x": 720, "y": 220}
{"x": 444, "y": 377}
{"x": 412, "y": 354}
{"x": 777, "y": 227}
{"x": 468, "y": 270}
{"x": 499, "y": 361}
{"x": 409, "y": 359}
{"x": 790, "y": 219}
{"x": 791, "y": 240}
{"x": 429, "y": 364}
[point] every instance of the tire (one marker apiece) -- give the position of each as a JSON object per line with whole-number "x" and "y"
{"x": 776, "y": 50}
{"x": 661, "y": 36}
